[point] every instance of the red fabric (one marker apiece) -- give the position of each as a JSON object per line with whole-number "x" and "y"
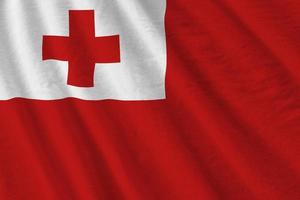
{"x": 229, "y": 128}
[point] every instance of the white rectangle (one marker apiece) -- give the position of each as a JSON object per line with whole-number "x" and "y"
{"x": 139, "y": 76}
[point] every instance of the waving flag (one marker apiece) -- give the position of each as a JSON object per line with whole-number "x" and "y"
{"x": 149, "y": 99}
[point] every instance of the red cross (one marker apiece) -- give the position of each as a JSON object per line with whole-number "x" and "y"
{"x": 82, "y": 49}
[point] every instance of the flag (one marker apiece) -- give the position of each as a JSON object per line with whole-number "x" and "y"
{"x": 151, "y": 99}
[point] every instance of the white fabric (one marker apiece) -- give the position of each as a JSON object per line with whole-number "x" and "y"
{"x": 139, "y": 76}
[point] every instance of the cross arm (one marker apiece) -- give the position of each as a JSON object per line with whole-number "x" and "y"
{"x": 56, "y": 47}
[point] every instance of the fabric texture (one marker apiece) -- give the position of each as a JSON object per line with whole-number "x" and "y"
{"x": 228, "y": 129}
